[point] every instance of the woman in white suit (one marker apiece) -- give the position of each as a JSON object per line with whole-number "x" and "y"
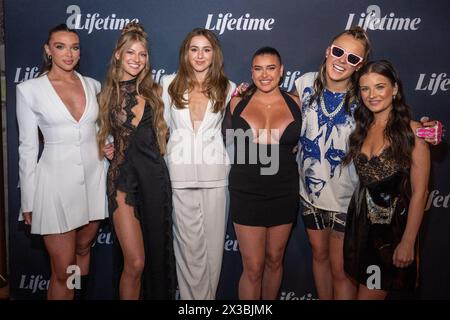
{"x": 194, "y": 100}
{"x": 63, "y": 194}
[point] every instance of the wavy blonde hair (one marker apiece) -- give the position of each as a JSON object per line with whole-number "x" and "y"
{"x": 216, "y": 83}
{"x": 146, "y": 87}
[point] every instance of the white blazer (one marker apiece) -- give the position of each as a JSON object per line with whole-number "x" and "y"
{"x": 195, "y": 160}
{"x": 67, "y": 187}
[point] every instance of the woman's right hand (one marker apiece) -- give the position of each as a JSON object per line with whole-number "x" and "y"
{"x": 108, "y": 151}
{"x": 240, "y": 89}
{"x": 27, "y": 218}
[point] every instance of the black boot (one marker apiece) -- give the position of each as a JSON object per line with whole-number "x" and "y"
{"x": 82, "y": 293}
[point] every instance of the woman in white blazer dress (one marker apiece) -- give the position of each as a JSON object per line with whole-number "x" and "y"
{"x": 194, "y": 101}
{"x": 63, "y": 192}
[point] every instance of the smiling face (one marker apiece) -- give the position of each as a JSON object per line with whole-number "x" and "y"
{"x": 64, "y": 49}
{"x": 132, "y": 60}
{"x": 266, "y": 72}
{"x": 338, "y": 69}
{"x": 376, "y": 92}
{"x": 200, "y": 54}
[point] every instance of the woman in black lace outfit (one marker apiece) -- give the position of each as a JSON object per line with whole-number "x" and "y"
{"x": 139, "y": 190}
{"x": 393, "y": 165}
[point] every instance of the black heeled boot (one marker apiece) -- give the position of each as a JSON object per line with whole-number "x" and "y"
{"x": 82, "y": 293}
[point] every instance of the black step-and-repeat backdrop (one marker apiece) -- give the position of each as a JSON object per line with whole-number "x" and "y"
{"x": 414, "y": 35}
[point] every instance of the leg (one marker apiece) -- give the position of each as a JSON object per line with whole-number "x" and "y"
{"x": 343, "y": 286}
{"x": 129, "y": 234}
{"x": 155, "y": 208}
{"x": 321, "y": 262}
{"x": 276, "y": 240}
{"x": 84, "y": 238}
{"x": 215, "y": 219}
{"x": 316, "y": 223}
{"x": 190, "y": 244}
{"x": 365, "y": 293}
{"x": 61, "y": 249}
{"x": 252, "y": 247}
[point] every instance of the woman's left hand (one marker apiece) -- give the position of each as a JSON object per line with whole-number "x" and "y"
{"x": 436, "y": 127}
{"x": 108, "y": 151}
{"x": 403, "y": 254}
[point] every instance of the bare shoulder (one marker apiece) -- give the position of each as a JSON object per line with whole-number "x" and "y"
{"x": 234, "y": 102}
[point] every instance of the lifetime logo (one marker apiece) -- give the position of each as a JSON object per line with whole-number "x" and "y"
{"x": 103, "y": 238}
{"x": 34, "y": 283}
{"x": 222, "y": 22}
{"x": 157, "y": 74}
{"x": 372, "y": 20}
{"x": 436, "y": 200}
{"x": 292, "y": 296}
{"x": 91, "y": 22}
{"x": 23, "y": 74}
{"x": 27, "y": 73}
{"x": 289, "y": 80}
{"x": 231, "y": 244}
{"x": 434, "y": 83}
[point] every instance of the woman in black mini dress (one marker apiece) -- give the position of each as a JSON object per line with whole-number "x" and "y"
{"x": 263, "y": 180}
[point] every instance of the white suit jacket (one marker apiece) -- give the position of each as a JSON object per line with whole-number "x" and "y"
{"x": 67, "y": 187}
{"x": 195, "y": 160}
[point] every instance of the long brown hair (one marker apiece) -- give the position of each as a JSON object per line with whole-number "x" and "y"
{"x": 398, "y": 131}
{"x": 357, "y": 33}
{"x": 216, "y": 83}
{"x": 46, "y": 65}
{"x": 145, "y": 87}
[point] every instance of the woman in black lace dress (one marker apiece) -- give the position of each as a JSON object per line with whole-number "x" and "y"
{"x": 139, "y": 190}
{"x": 393, "y": 165}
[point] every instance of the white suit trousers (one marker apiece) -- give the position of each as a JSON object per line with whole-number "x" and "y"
{"x": 199, "y": 222}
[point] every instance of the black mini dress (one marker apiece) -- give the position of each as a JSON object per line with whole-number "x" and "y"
{"x": 264, "y": 193}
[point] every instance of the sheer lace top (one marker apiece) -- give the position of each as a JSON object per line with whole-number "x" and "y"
{"x": 121, "y": 117}
{"x": 376, "y": 168}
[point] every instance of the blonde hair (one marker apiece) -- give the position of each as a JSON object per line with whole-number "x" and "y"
{"x": 145, "y": 86}
{"x": 216, "y": 83}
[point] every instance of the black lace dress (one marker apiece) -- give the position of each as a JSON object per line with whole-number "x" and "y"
{"x": 376, "y": 220}
{"x": 139, "y": 170}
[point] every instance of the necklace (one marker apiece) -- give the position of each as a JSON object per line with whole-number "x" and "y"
{"x": 325, "y": 111}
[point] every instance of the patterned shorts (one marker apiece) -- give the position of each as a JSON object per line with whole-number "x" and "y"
{"x": 318, "y": 219}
